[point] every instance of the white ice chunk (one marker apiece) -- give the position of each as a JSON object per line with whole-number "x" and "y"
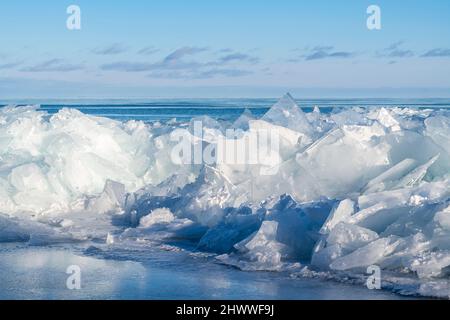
{"x": 158, "y": 216}
{"x": 286, "y": 113}
{"x": 368, "y": 255}
{"x": 341, "y": 212}
{"x": 438, "y": 128}
{"x": 384, "y": 180}
{"x": 385, "y": 117}
{"x": 112, "y": 198}
{"x": 431, "y": 264}
{"x": 350, "y": 237}
{"x": 416, "y": 176}
{"x": 323, "y": 258}
{"x": 243, "y": 121}
{"x": 262, "y": 249}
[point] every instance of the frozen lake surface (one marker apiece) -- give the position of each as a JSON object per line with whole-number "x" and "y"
{"x": 40, "y": 273}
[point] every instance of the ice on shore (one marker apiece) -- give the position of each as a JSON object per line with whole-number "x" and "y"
{"x": 339, "y": 192}
{"x": 286, "y": 113}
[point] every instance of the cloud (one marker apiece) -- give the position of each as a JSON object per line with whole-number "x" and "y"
{"x": 323, "y": 48}
{"x": 143, "y": 67}
{"x": 400, "y": 54}
{"x": 127, "y": 66}
{"x": 175, "y": 60}
{"x": 176, "y": 65}
{"x": 238, "y": 57}
{"x": 438, "y": 52}
{"x": 395, "y": 51}
{"x": 229, "y": 73}
{"x": 182, "y": 52}
{"x": 172, "y": 61}
{"x": 168, "y": 75}
{"x": 225, "y": 50}
{"x": 10, "y": 65}
{"x": 196, "y": 74}
{"x": 326, "y": 52}
{"x": 148, "y": 51}
{"x": 53, "y": 65}
{"x": 113, "y": 49}
{"x": 394, "y": 45}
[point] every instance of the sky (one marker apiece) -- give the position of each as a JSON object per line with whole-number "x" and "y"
{"x": 232, "y": 48}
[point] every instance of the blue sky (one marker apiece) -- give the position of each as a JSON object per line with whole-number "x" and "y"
{"x": 176, "y": 48}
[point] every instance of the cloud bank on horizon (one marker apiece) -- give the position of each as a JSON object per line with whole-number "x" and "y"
{"x": 170, "y": 44}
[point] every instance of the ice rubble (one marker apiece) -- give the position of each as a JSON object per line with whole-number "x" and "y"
{"x": 48, "y": 163}
{"x": 354, "y": 188}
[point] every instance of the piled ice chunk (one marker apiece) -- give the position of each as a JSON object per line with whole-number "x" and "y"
{"x": 338, "y": 192}
{"x": 47, "y": 163}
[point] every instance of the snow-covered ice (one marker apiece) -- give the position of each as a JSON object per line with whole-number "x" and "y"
{"x": 346, "y": 190}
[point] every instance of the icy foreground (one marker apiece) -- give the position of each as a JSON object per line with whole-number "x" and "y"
{"x": 344, "y": 191}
